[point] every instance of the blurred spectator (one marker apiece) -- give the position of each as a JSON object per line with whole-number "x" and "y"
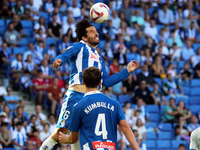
{"x": 179, "y": 17}
{"x": 170, "y": 112}
{"x": 126, "y": 10}
{"x": 8, "y": 118}
{"x": 174, "y": 39}
{"x": 137, "y": 18}
{"x": 19, "y": 117}
{"x": 76, "y": 11}
{"x": 18, "y": 138}
{"x": 135, "y": 115}
{"x": 33, "y": 125}
{"x": 36, "y": 57}
{"x": 147, "y": 20}
{"x": 133, "y": 54}
{"x": 5, "y": 136}
{"x": 29, "y": 145}
{"x": 150, "y": 44}
{"x": 4, "y": 57}
{"x": 195, "y": 59}
{"x": 188, "y": 20}
{"x": 186, "y": 69}
{"x": 5, "y": 10}
{"x": 3, "y": 91}
{"x": 40, "y": 86}
{"x": 41, "y": 118}
{"x": 120, "y": 44}
{"x": 191, "y": 33}
{"x": 17, "y": 68}
{"x": 187, "y": 51}
{"x": 144, "y": 9}
{"x": 138, "y": 40}
{"x": 107, "y": 52}
{"x": 11, "y": 36}
{"x": 129, "y": 85}
{"x": 175, "y": 52}
{"x": 144, "y": 93}
{"x": 161, "y": 36}
{"x": 40, "y": 24}
{"x": 38, "y": 4}
{"x": 35, "y": 138}
{"x": 121, "y": 56}
{"x": 48, "y": 7}
{"x": 41, "y": 36}
{"x": 65, "y": 43}
{"x": 161, "y": 44}
{"x": 171, "y": 70}
{"x": 19, "y": 9}
{"x": 109, "y": 32}
{"x": 117, "y": 89}
{"x": 54, "y": 29}
{"x": 46, "y": 69}
{"x": 70, "y": 35}
{"x": 52, "y": 123}
{"x": 179, "y": 31}
{"x": 189, "y": 10}
{"x": 146, "y": 57}
{"x": 193, "y": 124}
{"x": 184, "y": 111}
{"x": 124, "y": 31}
{"x": 134, "y": 29}
{"x": 59, "y": 16}
{"x": 114, "y": 67}
{"x": 33, "y": 10}
{"x": 69, "y": 25}
{"x": 54, "y": 95}
{"x": 12, "y": 100}
{"x": 171, "y": 87}
{"x": 128, "y": 108}
{"x": 17, "y": 25}
{"x": 115, "y": 19}
{"x": 155, "y": 17}
{"x": 141, "y": 129}
{"x": 161, "y": 100}
{"x": 181, "y": 131}
{"x": 117, "y": 4}
{"x": 40, "y": 47}
{"x": 157, "y": 67}
{"x": 145, "y": 75}
{"x": 181, "y": 147}
{"x": 30, "y": 65}
{"x": 61, "y": 81}
{"x": 165, "y": 15}
{"x": 183, "y": 80}
{"x": 151, "y": 30}
{"x": 46, "y": 133}
{"x": 167, "y": 32}
{"x": 52, "y": 52}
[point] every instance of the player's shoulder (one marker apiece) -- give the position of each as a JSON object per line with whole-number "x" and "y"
{"x": 196, "y": 132}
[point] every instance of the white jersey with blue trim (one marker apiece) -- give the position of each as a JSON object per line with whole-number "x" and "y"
{"x": 81, "y": 56}
{"x": 195, "y": 139}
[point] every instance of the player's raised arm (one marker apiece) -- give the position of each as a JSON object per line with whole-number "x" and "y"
{"x": 114, "y": 79}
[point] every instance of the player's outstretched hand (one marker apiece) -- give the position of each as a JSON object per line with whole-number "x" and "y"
{"x": 62, "y": 137}
{"x": 57, "y": 63}
{"x": 132, "y": 66}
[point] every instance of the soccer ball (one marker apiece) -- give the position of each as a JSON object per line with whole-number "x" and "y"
{"x": 99, "y": 12}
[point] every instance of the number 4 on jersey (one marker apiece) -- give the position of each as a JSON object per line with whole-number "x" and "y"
{"x": 101, "y": 121}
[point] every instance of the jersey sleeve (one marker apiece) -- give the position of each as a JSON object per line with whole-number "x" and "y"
{"x": 75, "y": 118}
{"x": 68, "y": 54}
{"x": 193, "y": 142}
{"x": 120, "y": 113}
{"x": 114, "y": 79}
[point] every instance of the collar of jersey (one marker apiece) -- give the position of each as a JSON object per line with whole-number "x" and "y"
{"x": 92, "y": 92}
{"x": 83, "y": 42}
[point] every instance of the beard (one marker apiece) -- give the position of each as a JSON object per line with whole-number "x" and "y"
{"x": 92, "y": 41}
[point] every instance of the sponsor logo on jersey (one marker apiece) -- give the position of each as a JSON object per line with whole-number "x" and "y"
{"x": 62, "y": 123}
{"x": 67, "y": 48}
{"x": 94, "y": 57}
{"x": 107, "y": 145}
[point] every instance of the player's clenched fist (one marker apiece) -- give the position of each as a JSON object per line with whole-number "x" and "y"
{"x": 62, "y": 137}
{"x": 57, "y": 63}
{"x": 132, "y": 66}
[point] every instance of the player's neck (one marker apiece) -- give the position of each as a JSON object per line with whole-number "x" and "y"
{"x": 93, "y": 46}
{"x": 91, "y": 89}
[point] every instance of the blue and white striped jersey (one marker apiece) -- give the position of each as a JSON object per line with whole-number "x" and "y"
{"x": 81, "y": 56}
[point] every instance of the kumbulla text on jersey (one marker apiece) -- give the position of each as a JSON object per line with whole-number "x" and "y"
{"x": 98, "y": 104}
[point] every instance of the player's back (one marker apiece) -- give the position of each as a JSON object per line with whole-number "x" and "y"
{"x": 99, "y": 116}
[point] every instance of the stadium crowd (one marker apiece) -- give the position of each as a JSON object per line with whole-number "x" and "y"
{"x": 160, "y": 99}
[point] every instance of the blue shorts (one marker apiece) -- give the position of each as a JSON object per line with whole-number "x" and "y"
{"x": 70, "y": 98}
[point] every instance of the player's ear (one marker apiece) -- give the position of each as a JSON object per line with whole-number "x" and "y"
{"x": 83, "y": 82}
{"x": 84, "y": 38}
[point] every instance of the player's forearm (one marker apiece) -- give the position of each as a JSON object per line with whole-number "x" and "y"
{"x": 64, "y": 57}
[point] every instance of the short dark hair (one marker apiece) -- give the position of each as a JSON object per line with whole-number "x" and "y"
{"x": 181, "y": 145}
{"x": 33, "y": 116}
{"x": 81, "y": 27}
{"x": 4, "y": 124}
{"x": 51, "y": 45}
{"x": 91, "y": 77}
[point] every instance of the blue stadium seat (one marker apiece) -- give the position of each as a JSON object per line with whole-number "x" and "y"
{"x": 124, "y": 98}
{"x": 159, "y": 81}
{"x": 23, "y": 42}
{"x": 2, "y": 23}
{"x": 49, "y": 41}
{"x": 196, "y": 46}
{"x": 180, "y": 64}
{"x": 195, "y": 82}
{"x": 154, "y": 117}
{"x": 27, "y": 24}
{"x": 150, "y": 11}
{"x": 162, "y": 108}
{"x": 138, "y": 70}
{"x": 17, "y": 50}
{"x": 165, "y": 135}
{"x": 163, "y": 144}
{"x": 32, "y": 40}
{"x": 44, "y": 15}
{"x": 176, "y": 143}
{"x": 194, "y": 109}
{"x": 102, "y": 44}
{"x": 152, "y": 108}
{"x": 151, "y": 89}
{"x": 151, "y": 125}
{"x": 160, "y": 27}
{"x": 113, "y": 44}
{"x": 2, "y": 30}
{"x": 12, "y": 58}
{"x": 9, "y": 50}
{"x": 194, "y": 100}
{"x": 150, "y": 144}
{"x": 8, "y": 21}
{"x": 195, "y": 91}
{"x": 186, "y": 90}
{"x": 151, "y": 136}
{"x": 185, "y": 99}
{"x": 198, "y": 37}
{"x": 97, "y": 25}
{"x": 28, "y": 32}
{"x": 165, "y": 126}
